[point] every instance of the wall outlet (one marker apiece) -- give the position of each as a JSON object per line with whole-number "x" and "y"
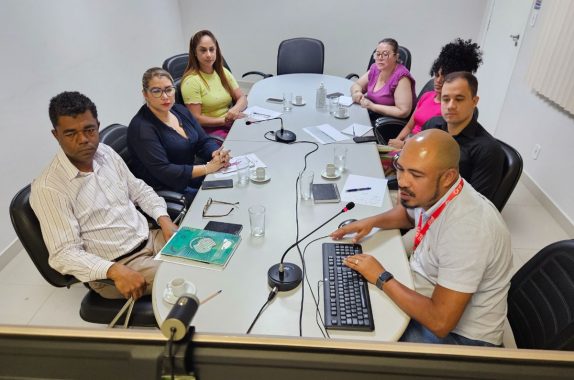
{"x": 536, "y": 151}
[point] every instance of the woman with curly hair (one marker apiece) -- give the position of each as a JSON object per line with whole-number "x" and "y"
{"x": 459, "y": 55}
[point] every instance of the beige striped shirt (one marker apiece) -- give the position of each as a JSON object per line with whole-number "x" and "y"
{"x": 89, "y": 219}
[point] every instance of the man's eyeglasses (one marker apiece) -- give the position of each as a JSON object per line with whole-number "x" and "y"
{"x": 211, "y": 201}
{"x": 156, "y": 92}
{"x": 396, "y": 163}
{"x": 382, "y": 54}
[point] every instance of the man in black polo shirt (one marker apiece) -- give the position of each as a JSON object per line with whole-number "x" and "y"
{"x": 481, "y": 156}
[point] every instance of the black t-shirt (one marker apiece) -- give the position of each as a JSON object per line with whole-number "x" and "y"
{"x": 481, "y": 156}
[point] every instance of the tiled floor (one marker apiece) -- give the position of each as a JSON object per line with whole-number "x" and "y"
{"x": 29, "y": 300}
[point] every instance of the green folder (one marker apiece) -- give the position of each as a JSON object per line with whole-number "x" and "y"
{"x": 201, "y": 245}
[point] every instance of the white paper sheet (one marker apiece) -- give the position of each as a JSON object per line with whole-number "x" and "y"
{"x": 356, "y": 129}
{"x": 257, "y": 113}
{"x": 372, "y": 197}
{"x": 251, "y": 159}
{"x": 345, "y": 100}
{"x": 325, "y": 134}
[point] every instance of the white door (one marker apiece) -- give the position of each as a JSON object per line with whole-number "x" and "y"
{"x": 500, "y": 46}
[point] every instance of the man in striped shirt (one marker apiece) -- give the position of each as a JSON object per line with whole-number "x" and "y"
{"x": 85, "y": 202}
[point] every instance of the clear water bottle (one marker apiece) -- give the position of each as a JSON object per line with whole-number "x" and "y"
{"x": 321, "y": 99}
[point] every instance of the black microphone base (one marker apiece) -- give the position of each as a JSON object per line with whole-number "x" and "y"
{"x": 288, "y": 280}
{"x": 285, "y": 136}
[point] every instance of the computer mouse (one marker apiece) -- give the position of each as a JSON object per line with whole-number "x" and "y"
{"x": 345, "y": 222}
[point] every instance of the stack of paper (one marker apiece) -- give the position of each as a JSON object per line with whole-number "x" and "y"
{"x": 325, "y": 134}
{"x": 257, "y": 113}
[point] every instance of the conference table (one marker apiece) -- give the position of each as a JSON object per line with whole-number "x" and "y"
{"x": 243, "y": 281}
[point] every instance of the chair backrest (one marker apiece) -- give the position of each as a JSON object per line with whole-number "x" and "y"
{"x": 178, "y": 95}
{"x": 176, "y": 65}
{"x": 510, "y": 175}
{"x": 116, "y": 136}
{"x": 541, "y": 299}
{"x": 28, "y": 230}
{"x": 300, "y": 55}
{"x": 404, "y": 56}
{"x": 429, "y": 86}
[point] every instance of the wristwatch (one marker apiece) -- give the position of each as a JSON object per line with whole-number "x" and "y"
{"x": 384, "y": 277}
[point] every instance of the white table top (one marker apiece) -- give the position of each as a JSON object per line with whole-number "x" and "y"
{"x": 300, "y": 116}
{"x": 244, "y": 280}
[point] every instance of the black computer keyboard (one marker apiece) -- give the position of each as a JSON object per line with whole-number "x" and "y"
{"x": 346, "y": 292}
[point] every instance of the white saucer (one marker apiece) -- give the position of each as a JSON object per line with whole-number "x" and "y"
{"x": 341, "y": 117}
{"x": 299, "y": 104}
{"x": 253, "y": 177}
{"x": 324, "y": 175}
{"x": 170, "y": 298}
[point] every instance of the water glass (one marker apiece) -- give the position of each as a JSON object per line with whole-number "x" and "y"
{"x": 333, "y": 105}
{"x": 305, "y": 184}
{"x": 340, "y": 158}
{"x": 287, "y": 101}
{"x": 243, "y": 173}
{"x": 257, "y": 220}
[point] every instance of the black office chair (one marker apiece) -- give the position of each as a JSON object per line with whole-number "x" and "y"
{"x": 405, "y": 58}
{"x": 510, "y": 175}
{"x": 297, "y": 55}
{"x": 116, "y": 136}
{"x": 541, "y": 299}
{"x": 94, "y": 308}
{"x": 388, "y": 127}
{"x": 177, "y": 64}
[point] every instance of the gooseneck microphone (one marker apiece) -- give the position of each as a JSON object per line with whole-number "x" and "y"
{"x": 282, "y": 135}
{"x": 287, "y": 276}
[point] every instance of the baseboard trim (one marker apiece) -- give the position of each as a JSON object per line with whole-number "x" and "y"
{"x": 548, "y": 204}
{"x": 10, "y": 252}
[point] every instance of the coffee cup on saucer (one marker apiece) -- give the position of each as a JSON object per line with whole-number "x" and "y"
{"x": 298, "y": 99}
{"x": 260, "y": 174}
{"x": 330, "y": 170}
{"x": 178, "y": 287}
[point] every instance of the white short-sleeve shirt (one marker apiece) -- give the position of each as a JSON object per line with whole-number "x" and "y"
{"x": 467, "y": 249}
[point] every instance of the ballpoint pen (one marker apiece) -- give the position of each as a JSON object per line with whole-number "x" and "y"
{"x": 211, "y": 296}
{"x": 358, "y": 189}
{"x": 261, "y": 114}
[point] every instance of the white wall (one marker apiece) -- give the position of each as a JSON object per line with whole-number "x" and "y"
{"x": 250, "y": 31}
{"x": 528, "y": 119}
{"x": 100, "y": 48}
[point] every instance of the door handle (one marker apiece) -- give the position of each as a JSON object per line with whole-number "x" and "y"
{"x": 515, "y": 38}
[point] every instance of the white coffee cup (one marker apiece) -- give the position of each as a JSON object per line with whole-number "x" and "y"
{"x": 298, "y": 99}
{"x": 178, "y": 287}
{"x": 260, "y": 174}
{"x": 330, "y": 170}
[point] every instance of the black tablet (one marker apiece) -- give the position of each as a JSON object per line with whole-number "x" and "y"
{"x": 325, "y": 193}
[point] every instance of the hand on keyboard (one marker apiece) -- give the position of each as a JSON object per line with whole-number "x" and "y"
{"x": 366, "y": 265}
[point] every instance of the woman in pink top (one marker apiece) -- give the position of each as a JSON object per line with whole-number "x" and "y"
{"x": 458, "y": 55}
{"x": 388, "y": 88}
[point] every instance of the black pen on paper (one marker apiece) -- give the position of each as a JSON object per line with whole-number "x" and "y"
{"x": 358, "y": 189}
{"x": 261, "y": 114}
{"x": 211, "y": 296}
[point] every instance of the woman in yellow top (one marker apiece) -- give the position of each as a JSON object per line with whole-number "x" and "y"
{"x": 209, "y": 90}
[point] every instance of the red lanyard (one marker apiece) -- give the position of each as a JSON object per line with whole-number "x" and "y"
{"x": 421, "y": 232}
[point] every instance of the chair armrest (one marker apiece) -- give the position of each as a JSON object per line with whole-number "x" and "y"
{"x": 257, "y": 73}
{"x": 389, "y": 120}
{"x": 392, "y": 182}
{"x": 352, "y": 75}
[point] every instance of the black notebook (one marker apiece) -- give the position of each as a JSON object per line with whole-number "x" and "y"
{"x": 325, "y": 193}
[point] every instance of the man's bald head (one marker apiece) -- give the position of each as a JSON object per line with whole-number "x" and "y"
{"x": 436, "y": 147}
